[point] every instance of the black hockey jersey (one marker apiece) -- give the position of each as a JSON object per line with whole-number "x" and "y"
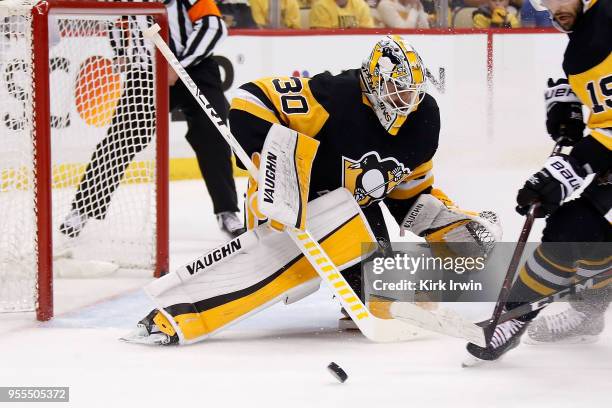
{"x": 355, "y": 151}
{"x": 588, "y": 65}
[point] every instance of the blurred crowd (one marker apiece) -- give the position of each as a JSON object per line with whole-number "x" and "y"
{"x": 382, "y": 13}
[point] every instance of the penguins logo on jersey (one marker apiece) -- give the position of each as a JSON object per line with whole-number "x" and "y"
{"x": 370, "y": 179}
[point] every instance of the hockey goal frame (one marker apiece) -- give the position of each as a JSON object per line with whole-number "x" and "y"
{"x": 42, "y": 150}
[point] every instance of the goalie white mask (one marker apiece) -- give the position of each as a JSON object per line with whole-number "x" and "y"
{"x": 393, "y": 80}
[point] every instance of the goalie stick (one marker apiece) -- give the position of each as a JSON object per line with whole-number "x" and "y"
{"x": 372, "y": 327}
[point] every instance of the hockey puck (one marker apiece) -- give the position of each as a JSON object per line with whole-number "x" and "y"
{"x": 337, "y": 372}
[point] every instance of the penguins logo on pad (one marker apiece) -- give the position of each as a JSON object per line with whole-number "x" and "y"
{"x": 370, "y": 179}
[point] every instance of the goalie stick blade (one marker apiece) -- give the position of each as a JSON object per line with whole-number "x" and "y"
{"x": 442, "y": 321}
{"x": 387, "y": 331}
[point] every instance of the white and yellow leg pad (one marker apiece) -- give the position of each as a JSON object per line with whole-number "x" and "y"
{"x": 257, "y": 269}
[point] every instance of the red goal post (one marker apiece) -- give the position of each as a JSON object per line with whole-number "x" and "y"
{"x": 73, "y": 102}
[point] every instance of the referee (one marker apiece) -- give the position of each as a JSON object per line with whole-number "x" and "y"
{"x": 196, "y": 28}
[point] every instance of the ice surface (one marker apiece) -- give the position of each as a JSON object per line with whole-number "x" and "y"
{"x": 278, "y": 357}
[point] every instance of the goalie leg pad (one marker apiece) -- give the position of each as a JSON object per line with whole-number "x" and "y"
{"x": 267, "y": 269}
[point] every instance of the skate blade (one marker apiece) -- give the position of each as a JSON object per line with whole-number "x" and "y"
{"x": 137, "y": 336}
{"x": 582, "y": 339}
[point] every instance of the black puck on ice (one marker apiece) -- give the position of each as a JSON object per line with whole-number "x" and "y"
{"x": 337, "y": 372}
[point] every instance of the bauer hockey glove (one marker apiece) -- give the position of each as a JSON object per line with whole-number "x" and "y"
{"x": 564, "y": 120}
{"x": 560, "y": 177}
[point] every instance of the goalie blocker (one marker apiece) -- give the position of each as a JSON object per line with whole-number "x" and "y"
{"x": 284, "y": 179}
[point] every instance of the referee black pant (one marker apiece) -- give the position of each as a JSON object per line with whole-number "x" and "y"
{"x": 131, "y": 131}
{"x": 211, "y": 149}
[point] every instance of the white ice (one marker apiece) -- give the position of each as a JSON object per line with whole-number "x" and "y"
{"x": 278, "y": 357}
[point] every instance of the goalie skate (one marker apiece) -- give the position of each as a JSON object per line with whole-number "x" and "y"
{"x": 147, "y": 332}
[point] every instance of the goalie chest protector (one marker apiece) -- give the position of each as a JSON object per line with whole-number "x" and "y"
{"x": 356, "y": 152}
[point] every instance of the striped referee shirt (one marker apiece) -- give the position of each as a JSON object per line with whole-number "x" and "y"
{"x": 126, "y": 39}
{"x": 196, "y": 28}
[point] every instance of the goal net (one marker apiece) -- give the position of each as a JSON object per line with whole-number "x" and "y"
{"x": 83, "y": 120}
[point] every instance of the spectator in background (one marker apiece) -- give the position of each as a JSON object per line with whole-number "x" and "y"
{"x": 340, "y": 14}
{"x": 236, "y": 13}
{"x": 495, "y": 14}
{"x": 530, "y": 17}
{"x": 515, "y": 4}
{"x": 402, "y": 14}
{"x": 290, "y": 13}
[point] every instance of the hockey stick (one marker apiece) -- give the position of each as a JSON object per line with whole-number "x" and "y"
{"x": 372, "y": 327}
{"x": 490, "y": 324}
{"x": 576, "y": 287}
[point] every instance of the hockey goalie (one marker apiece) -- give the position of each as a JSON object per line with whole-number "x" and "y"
{"x": 330, "y": 150}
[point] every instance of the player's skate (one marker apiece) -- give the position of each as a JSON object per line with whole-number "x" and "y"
{"x": 567, "y": 327}
{"x": 229, "y": 222}
{"x": 148, "y": 332}
{"x": 505, "y": 337}
{"x": 73, "y": 224}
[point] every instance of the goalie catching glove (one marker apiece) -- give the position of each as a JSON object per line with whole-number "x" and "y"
{"x": 560, "y": 177}
{"x": 434, "y": 217}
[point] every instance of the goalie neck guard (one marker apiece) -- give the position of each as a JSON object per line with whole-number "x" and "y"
{"x": 393, "y": 81}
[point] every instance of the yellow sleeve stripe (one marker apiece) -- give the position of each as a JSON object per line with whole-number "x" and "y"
{"x": 421, "y": 170}
{"x": 308, "y": 121}
{"x": 254, "y": 109}
{"x": 407, "y": 190}
{"x": 603, "y": 136}
{"x": 410, "y": 184}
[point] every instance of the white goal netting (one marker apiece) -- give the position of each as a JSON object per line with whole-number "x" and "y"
{"x": 102, "y": 142}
